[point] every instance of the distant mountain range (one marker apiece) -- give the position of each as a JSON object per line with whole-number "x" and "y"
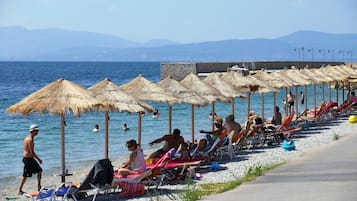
{"x": 21, "y": 44}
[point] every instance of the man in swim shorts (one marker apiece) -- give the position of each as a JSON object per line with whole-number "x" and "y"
{"x": 30, "y": 159}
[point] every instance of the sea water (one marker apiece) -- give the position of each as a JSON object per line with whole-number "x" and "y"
{"x": 82, "y": 146}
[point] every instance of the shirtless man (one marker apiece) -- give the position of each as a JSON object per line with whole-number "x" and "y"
{"x": 232, "y": 125}
{"x": 31, "y": 165}
{"x": 171, "y": 141}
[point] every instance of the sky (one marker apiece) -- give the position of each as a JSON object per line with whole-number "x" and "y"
{"x": 184, "y": 21}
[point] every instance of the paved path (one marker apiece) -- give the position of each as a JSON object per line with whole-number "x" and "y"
{"x": 328, "y": 173}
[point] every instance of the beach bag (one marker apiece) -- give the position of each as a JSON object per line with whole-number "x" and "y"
{"x": 131, "y": 189}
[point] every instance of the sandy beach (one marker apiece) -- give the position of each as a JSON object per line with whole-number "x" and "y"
{"x": 306, "y": 140}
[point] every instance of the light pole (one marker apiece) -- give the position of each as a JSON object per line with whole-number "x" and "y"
{"x": 323, "y": 53}
{"x": 343, "y": 55}
{"x": 302, "y": 50}
{"x": 332, "y": 52}
{"x": 299, "y": 53}
{"x": 312, "y": 56}
{"x": 350, "y": 52}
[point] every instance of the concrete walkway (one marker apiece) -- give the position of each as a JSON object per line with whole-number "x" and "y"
{"x": 328, "y": 173}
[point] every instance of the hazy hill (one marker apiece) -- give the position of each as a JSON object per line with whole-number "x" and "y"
{"x": 18, "y": 43}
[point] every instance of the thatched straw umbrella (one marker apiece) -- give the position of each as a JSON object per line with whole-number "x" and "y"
{"x": 316, "y": 79}
{"x": 185, "y": 95}
{"x": 327, "y": 79}
{"x": 297, "y": 80}
{"x": 201, "y": 88}
{"x": 246, "y": 84}
{"x": 263, "y": 88}
{"x": 60, "y": 97}
{"x": 274, "y": 82}
{"x": 225, "y": 87}
{"x": 145, "y": 90}
{"x": 123, "y": 102}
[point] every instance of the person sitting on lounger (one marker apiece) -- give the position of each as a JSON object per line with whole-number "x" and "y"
{"x": 276, "y": 120}
{"x": 353, "y": 98}
{"x": 136, "y": 163}
{"x": 211, "y": 136}
{"x": 232, "y": 125}
{"x": 171, "y": 141}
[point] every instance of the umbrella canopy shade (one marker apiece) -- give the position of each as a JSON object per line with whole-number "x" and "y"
{"x": 223, "y": 86}
{"x": 60, "y": 97}
{"x": 272, "y": 81}
{"x": 145, "y": 90}
{"x": 263, "y": 87}
{"x": 123, "y": 102}
{"x": 184, "y": 94}
{"x": 327, "y": 77}
{"x": 241, "y": 82}
{"x": 311, "y": 75}
{"x": 195, "y": 84}
{"x": 338, "y": 73}
{"x": 297, "y": 78}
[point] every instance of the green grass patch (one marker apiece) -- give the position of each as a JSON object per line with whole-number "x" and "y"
{"x": 195, "y": 192}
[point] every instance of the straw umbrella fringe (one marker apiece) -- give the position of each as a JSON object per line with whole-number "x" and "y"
{"x": 223, "y": 86}
{"x": 184, "y": 94}
{"x": 123, "y": 102}
{"x": 201, "y": 88}
{"x": 145, "y": 90}
{"x": 60, "y": 97}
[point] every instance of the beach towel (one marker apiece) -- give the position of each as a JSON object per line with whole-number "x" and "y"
{"x": 131, "y": 189}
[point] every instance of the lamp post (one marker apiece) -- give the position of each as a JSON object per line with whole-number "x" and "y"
{"x": 332, "y": 52}
{"x": 299, "y": 53}
{"x": 343, "y": 55}
{"x": 323, "y": 53}
{"x": 302, "y": 51}
{"x": 312, "y": 56}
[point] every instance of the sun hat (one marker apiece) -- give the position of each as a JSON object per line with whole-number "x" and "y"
{"x": 33, "y": 127}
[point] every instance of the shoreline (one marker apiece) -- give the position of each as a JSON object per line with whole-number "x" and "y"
{"x": 313, "y": 139}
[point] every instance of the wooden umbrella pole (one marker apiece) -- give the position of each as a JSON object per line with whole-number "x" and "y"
{"x": 106, "y": 152}
{"x": 232, "y": 99}
{"x": 336, "y": 95}
{"x": 323, "y": 92}
{"x": 263, "y": 106}
{"x": 315, "y": 97}
{"x": 305, "y": 97}
{"x": 170, "y": 118}
{"x": 248, "y": 105}
{"x": 213, "y": 116}
{"x": 296, "y": 100}
{"x": 193, "y": 122}
{"x": 286, "y": 102}
{"x": 274, "y": 103}
{"x": 63, "y": 176}
{"x": 330, "y": 92}
{"x": 139, "y": 129}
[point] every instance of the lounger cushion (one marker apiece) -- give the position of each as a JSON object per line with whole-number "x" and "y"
{"x": 131, "y": 189}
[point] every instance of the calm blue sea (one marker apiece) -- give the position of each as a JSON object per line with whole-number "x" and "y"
{"x": 19, "y": 79}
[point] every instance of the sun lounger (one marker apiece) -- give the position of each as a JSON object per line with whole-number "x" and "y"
{"x": 98, "y": 180}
